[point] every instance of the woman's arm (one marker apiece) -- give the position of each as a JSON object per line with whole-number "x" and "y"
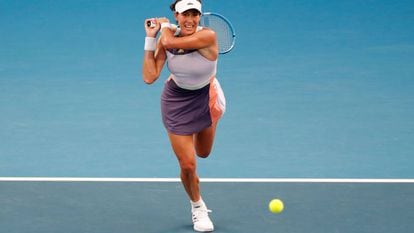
{"x": 205, "y": 41}
{"x": 201, "y": 39}
{"x": 154, "y": 60}
{"x": 153, "y": 64}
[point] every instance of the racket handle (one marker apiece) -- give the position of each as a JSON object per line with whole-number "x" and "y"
{"x": 151, "y": 23}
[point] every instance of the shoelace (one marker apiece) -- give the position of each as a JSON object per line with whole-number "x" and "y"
{"x": 199, "y": 214}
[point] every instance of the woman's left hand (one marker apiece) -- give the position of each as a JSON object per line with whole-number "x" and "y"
{"x": 163, "y": 20}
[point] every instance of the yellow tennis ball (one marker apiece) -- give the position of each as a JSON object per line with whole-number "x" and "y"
{"x": 276, "y": 206}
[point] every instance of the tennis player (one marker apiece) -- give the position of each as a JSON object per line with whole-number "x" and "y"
{"x": 192, "y": 100}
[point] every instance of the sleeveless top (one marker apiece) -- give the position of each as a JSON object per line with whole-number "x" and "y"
{"x": 189, "y": 69}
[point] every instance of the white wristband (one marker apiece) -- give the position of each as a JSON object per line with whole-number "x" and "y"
{"x": 150, "y": 43}
{"x": 165, "y": 25}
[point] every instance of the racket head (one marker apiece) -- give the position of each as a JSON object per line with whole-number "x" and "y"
{"x": 226, "y": 35}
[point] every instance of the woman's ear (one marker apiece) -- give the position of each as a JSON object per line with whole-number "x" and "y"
{"x": 175, "y": 16}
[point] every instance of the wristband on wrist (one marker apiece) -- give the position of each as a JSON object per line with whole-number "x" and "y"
{"x": 150, "y": 43}
{"x": 165, "y": 25}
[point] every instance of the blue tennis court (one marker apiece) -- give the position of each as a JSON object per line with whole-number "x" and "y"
{"x": 317, "y": 91}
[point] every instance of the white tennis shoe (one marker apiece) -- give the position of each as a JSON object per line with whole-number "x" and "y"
{"x": 201, "y": 221}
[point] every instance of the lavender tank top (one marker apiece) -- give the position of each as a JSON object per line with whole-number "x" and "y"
{"x": 189, "y": 69}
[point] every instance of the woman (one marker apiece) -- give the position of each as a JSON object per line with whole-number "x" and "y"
{"x": 192, "y": 100}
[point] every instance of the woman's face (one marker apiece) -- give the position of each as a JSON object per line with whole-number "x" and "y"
{"x": 188, "y": 21}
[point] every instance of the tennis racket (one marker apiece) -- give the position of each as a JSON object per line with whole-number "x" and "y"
{"x": 226, "y": 35}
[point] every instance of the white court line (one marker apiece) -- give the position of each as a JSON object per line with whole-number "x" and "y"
{"x": 207, "y": 180}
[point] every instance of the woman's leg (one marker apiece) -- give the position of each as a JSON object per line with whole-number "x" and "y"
{"x": 204, "y": 141}
{"x": 183, "y": 147}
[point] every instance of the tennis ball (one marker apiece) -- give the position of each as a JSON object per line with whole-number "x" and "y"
{"x": 276, "y": 206}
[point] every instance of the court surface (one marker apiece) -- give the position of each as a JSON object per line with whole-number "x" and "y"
{"x": 237, "y": 207}
{"x": 320, "y": 101}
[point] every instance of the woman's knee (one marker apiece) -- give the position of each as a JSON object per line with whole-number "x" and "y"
{"x": 203, "y": 153}
{"x": 204, "y": 142}
{"x": 188, "y": 167}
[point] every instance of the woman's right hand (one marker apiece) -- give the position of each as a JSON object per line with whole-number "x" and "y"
{"x": 152, "y": 26}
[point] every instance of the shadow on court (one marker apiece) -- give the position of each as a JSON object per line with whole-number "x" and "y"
{"x": 127, "y": 207}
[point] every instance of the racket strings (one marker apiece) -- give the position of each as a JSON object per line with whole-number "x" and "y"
{"x": 223, "y": 31}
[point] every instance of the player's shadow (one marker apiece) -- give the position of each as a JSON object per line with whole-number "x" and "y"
{"x": 184, "y": 228}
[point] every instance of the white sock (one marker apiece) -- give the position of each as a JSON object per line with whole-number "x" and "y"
{"x": 197, "y": 204}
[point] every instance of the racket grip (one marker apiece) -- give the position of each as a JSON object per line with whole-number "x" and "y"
{"x": 151, "y": 23}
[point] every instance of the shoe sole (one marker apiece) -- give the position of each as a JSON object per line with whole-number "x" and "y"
{"x": 200, "y": 230}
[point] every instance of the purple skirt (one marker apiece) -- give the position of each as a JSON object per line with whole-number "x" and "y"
{"x": 185, "y": 112}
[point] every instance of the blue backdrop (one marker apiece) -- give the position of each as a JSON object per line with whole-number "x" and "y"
{"x": 314, "y": 89}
